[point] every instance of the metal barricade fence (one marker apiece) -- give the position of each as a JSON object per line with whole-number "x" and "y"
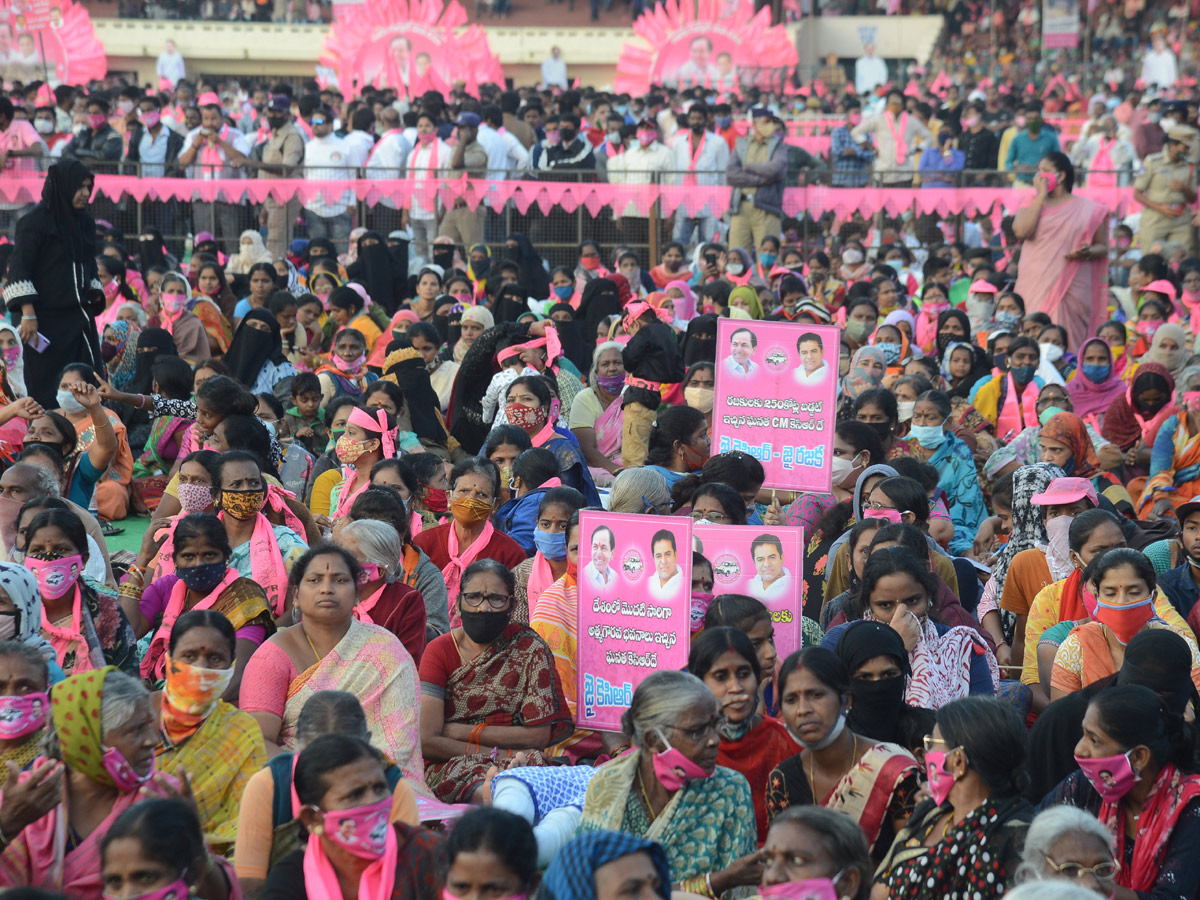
{"x": 556, "y": 229}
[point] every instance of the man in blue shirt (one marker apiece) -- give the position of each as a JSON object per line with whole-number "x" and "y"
{"x": 1029, "y": 146}
{"x": 851, "y": 160}
{"x": 1182, "y": 584}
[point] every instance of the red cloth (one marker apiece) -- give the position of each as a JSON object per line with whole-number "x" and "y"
{"x": 762, "y": 748}
{"x": 401, "y": 610}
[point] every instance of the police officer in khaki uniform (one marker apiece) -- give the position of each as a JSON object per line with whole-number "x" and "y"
{"x": 1166, "y": 188}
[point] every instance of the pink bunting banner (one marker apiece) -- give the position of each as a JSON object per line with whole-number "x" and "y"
{"x": 626, "y": 199}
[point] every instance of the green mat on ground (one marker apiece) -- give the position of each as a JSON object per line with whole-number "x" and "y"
{"x": 135, "y": 528}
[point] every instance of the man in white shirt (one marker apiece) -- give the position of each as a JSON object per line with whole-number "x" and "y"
{"x": 741, "y": 347}
{"x": 773, "y": 581}
{"x": 646, "y": 161}
{"x": 430, "y": 159}
{"x": 1159, "y": 66}
{"x": 359, "y": 134}
{"x": 813, "y": 368}
{"x": 667, "y": 579}
{"x": 599, "y": 572}
{"x": 516, "y": 157}
{"x": 554, "y": 70}
{"x": 214, "y": 150}
{"x": 703, "y": 155}
{"x": 388, "y": 159}
{"x": 869, "y": 71}
{"x": 170, "y": 64}
{"x": 329, "y": 158}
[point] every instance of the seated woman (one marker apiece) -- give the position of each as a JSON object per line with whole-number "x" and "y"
{"x": 414, "y": 567}
{"x": 178, "y": 314}
{"x": 1098, "y": 383}
{"x": 529, "y": 407}
{"x": 966, "y": 839}
{"x": 876, "y": 662}
{"x": 489, "y": 683}
{"x": 386, "y": 395}
{"x": 345, "y": 373}
{"x": 209, "y": 742}
{"x": 256, "y": 358}
{"x": 596, "y": 414}
{"x": 1125, "y": 585}
{"x": 425, "y": 339}
{"x": 725, "y": 660}
{"x": 1136, "y": 766}
{"x": 1066, "y": 844}
{"x": 366, "y": 441}
{"x": 213, "y": 304}
{"x": 102, "y": 744}
{"x": 532, "y": 475}
{"x": 261, "y": 551}
{"x": 878, "y": 408}
{"x": 549, "y": 562}
{"x": 263, "y": 283}
{"x": 947, "y": 663}
{"x": 874, "y": 782}
{"x": 268, "y": 824}
{"x": 202, "y": 579}
{"x": 596, "y": 864}
{"x": 696, "y": 809}
{"x": 679, "y": 443}
{"x": 158, "y": 845}
{"x": 87, "y": 628}
{"x": 329, "y": 648}
{"x": 1175, "y": 457}
{"x": 808, "y": 844}
{"x": 348, "y": 311}
{"x": 733, "y": 469}
{"x": 492, "y": 852}
{"x": 341, "y": 785}
{"x": 957, "y": 476}
{"x": 862, "y": 536}
{"x": 1006, "y": 400}
{"x": 470, "y": 536}
{"x": 1135, "y": 418}
{"x": 24, "y": 697}
{"x": 503, "y": 446}
{"x": 383, "y": 596}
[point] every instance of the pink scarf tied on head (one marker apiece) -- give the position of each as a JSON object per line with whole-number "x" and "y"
{"x": 639, "y": 308}
{"x": 351, "y": 483}
{"x": 551, "y": 342}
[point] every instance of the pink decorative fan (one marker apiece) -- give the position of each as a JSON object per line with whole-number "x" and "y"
{"x": 722, "y": 45}
{"x": 413, "y": 47}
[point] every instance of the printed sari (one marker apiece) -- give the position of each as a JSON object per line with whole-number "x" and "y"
{"x": 512, "y": 683}
{"x": 1181, "y": 481}
{"x": 608, "y": 438}
{"x": 1169, "y": 796}
{"x": 372, "y": 664}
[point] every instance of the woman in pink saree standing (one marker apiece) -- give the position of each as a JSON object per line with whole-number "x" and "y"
{"x": 1064, "y": 257}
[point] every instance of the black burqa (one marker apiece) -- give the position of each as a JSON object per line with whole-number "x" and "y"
{"x": 420, "y": 399}
{"x": 380, "y": 271}
{"x": 510, "y": 304}
{"x": 152, "y": 250}
{"x": 600, "y": 300}
{"x": 534, "y": 279}
{"x": 700, "y": 341}
{"x": 441, "y": 322}
{"x": 153, "y": 344}
{"x": 252, "y": 348}
{"x": 574, "y": 347}
{"x": 53, "y": 268}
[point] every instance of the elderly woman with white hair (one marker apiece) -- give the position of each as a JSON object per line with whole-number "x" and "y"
{"x": 383, "y": 597}
{"x": 1066, "y": 843}
{"x": 640, "y": 490}
{"x": 596, "y": 415}
{"x": 671, "y": 790}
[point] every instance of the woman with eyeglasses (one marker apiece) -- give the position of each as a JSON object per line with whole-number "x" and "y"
{"x": 874, "y": 782}
{"x": 717, "y": 504}
{"x": 965, "y": 842}
{"x": 489, "y": 689}
{"x": 1136, "y": 775}
{"x": 1068, "y": 844}
{"x": 670, "y": 789}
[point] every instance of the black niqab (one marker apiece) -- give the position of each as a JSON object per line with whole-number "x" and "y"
{"x": 574, "y": 347}
{"x": 510, "y": 304}
{"x": 251, "y": 348}
{"x": 534, "y": 278}
{"x": 379, "y": 272}
{"x": 600, "y": 300}
{"x": 153, "y": 344}
{"x": 419, "y": 396}
{"x": 76, "y": 229}
{"x": 700, "y": 341}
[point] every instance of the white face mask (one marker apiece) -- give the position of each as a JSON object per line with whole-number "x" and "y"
{"x": 1166, "y": 124}
{"x": 841, "y": 469}
{"x": 1051, "y": 352}
{"x": 734, "y": 268}
{"x": 43, "y": 126}
{"x": 906, "y": 408}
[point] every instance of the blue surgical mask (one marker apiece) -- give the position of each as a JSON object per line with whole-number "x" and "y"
{"x": 1096, "y": 373}
{"x": 1008, "y": 320}
{"x": 724, "y": 122}
{"x": 564, "y": 291}
{"x": 928, "y": 436}
{"x": 1049, "y": 413}
{"x": 553, "y": 546}
{"x": 622, "y": 108}
{"x": 767, "y": 259}
{"x": 896, "y": 264}
{"x": 891, "y": 353}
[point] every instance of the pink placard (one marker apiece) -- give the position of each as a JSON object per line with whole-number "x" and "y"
{"x": 764, "y": 563}
{"x": 635, "y": 588}
{"x": 776, "y": 387}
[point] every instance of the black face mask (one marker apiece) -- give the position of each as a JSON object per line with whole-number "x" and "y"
{"x": 481, "y": 266}
{"x": 877, "y": 707}
{"x": 883, "y": 429}
{"x": 944, "y": 340}
{"x": 443, "y": 256}
{"x": 567, "y": 135}
{"x": 698, "y": 128}
{"x": 484, "y": 627}
{"x": 275, "y": 121}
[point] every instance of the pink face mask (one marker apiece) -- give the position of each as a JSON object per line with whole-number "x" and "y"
{"x": 552, "y": 136}
{"x": 368, "y": 572}
{"x": 1191, "y": 400}
{"x": 941, "y": 782}
{"x": 1146, "y": 329}
{"x": 674, "y": 770}
{"x": 55, "y": 577}
{"x": 1112, "y": 776}
{"x": 110, "y": 289}
{"x": 854, "y": 118}
{"x": 645, "y": 138}
{"x": 193, "y": 497}
{"x": 808, "y": 889}
{"x": 124, "y": 775}
{"x": 362, "y": 830}
{"x": 426, "y": 138}
{"x": 176, "y": 890}
{"x": 173, "y": 304}
{"x": 96, "y": 120}
{"x": 22, "y": 715}
{"x": 351, "y": 365}
{"x": 12, "y": 356}
{"x": 1051, "y": 179}
{"x": 890, "y": 515}
{"x": 152, "y": 118}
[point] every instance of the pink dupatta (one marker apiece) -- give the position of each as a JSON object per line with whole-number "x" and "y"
{"x": 88, "y": 654}
{"x": 376, "y": 883}
{"x": 608, "y": 431}
{"x": 540, "y": 578}
{"x": 266, "y": 563}
{"x": 459, "y": 561}
{"x": 154, "y": 662}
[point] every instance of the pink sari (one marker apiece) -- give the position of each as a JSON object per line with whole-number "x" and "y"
{"x": 1072, "y": 292}
{"x": 608, "y": 439}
